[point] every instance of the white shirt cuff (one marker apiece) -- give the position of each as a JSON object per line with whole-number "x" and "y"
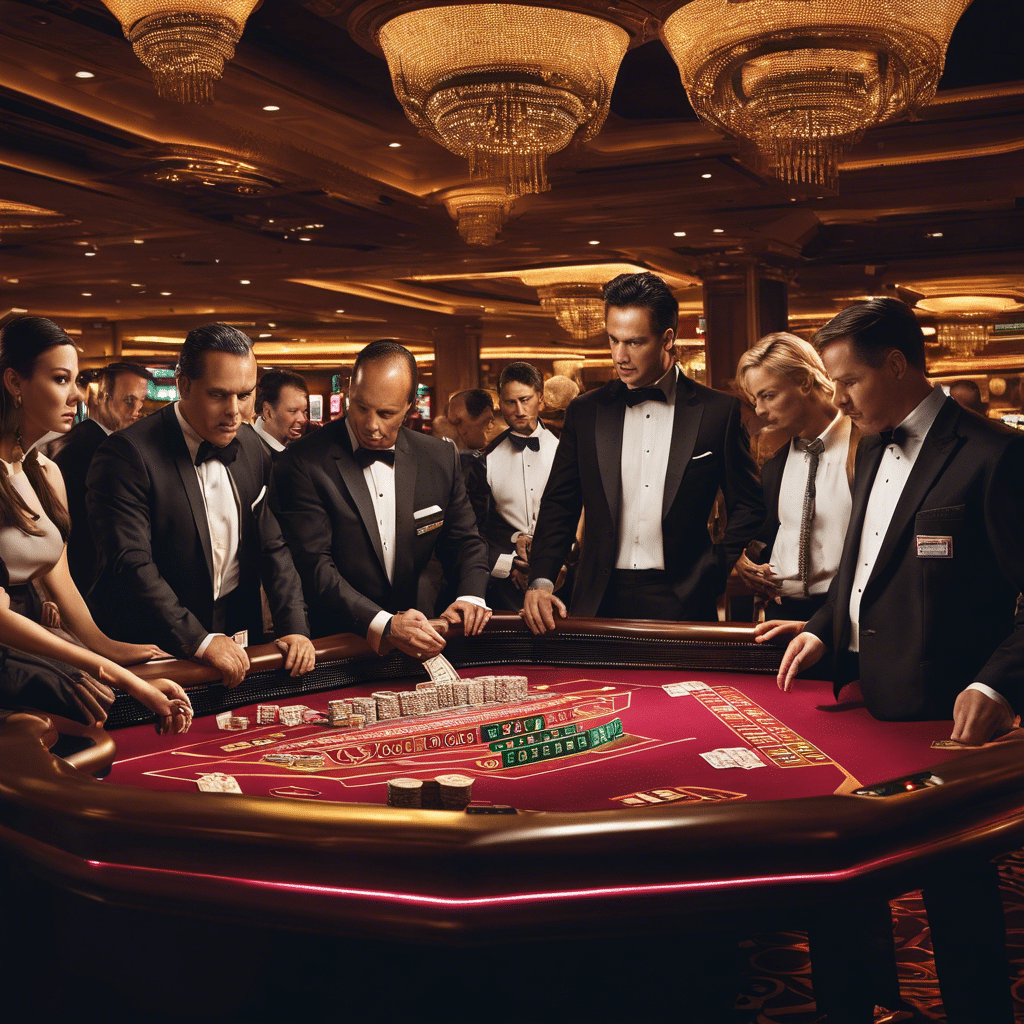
{"x": 991, "y": 694}
{"x": 201, "y": 649}
{"x": 375, "y": 633}
{"x": 541, "y": 584}
{"x": 479, "y": 601}
{"x": 503, "y": 566}
{"x": 515, "y": 536}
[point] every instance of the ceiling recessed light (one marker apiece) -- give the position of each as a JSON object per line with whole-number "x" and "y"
{"x": 88, "y": 295}
{"x": 339, "y": 311}
{"x": 679, "y": 234}
{"x": 139, "y": 241}
{"x": 271, "y": 325}
{"x": 394, "y": 145}
{"x": 305, "y": 238}
{"x": 271, "y": 108}
{"x": 705, "y": 175}
{"x": 245, "y": 281}
{"x": 134, "y": 285}
{"x": 90, "y": 252}
{"x": 84, "y": 74}
{"x": 934, "y": 234}
{"x": 594, "y": 241}
{"x": 266, "y": 335}
{"x": 165, "y": 293}
{"x": 718, "y": 231}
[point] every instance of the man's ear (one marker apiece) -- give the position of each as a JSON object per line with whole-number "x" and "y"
{"x": 184, "y": 386}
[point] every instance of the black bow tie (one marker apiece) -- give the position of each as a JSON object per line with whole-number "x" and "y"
{"x": 519, "y": 442}
{"x": 897, "y": 436}
{"x": 634, "y": 396}
{"x": 225, "y": 454}
{"x": 365, "y": 456}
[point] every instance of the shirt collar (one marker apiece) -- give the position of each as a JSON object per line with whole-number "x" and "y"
{"x": 667, "y": 382}
{"x": 920, "y": 421}
{"x": 829, "y": 436}
{"x": 93, "y": 419}
{"x": 538, "y": 430}
{"x": 268, "y": 437}
{"x": 192, "y": 439}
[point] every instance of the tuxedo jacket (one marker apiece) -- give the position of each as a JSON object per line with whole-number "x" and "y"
{"x": 327, "y": 515}
{"x": 709, "y": 450}
{"x": 930, "y": 626}
{"x": 74, "y": 459}
{"x": 154, "y": 581}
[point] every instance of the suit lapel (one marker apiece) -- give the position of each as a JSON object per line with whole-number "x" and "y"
{"x": 405, "y": 505}
{"x": 939, "y": 445}
{"x": 608, "y": 439}
{"x": 355, "y": 483}
{"x": 685, "y": 424}
{"x": 242, "y": 476}
{"x": 187, "y": 471}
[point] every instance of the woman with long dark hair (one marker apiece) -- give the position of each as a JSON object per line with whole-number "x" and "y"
{"x": 38, "y": 398}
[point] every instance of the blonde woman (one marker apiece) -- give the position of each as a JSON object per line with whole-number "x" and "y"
{"x": 807, "y": 483}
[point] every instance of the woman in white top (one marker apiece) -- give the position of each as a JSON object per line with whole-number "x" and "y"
{"x": 38, "y": 397}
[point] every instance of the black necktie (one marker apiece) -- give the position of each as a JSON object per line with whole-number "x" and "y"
{"x": 897, "y": 436}
{"x": 634, "y": 396}
{"x": 225, "y": 454}
{"x": 365, "y": 456}
{"x": 519, "y": 442}
{"x": 814, "y": 449}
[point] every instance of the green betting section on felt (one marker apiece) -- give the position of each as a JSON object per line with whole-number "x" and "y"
{"x": 530, "y": 738}
{"x": 513, "y": 727}
{"x": 572, "y": 744}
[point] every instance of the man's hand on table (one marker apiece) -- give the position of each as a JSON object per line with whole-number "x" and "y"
{"x": 299, "y": 654}
{"x": 473, "y": 616}
{"x": 977, "y": 718}
{"x": 412, "y": 633}
{"x": 771, "y": 628}
{"x": 230, "y": 660}
{"x": 804, "y": 650}
{"x": 539, "y": 607}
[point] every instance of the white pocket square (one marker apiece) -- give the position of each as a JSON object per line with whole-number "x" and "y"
{"x": 426, "y": 512}
{"x": 259, "y": 498}
{"x": 702, "y": 456}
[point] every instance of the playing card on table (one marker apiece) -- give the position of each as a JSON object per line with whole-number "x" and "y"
{"x": 946, "y": 744}
{"x": 218, "y": 782}
{"x": 745, "y": 757}
{"x": 684, "y": 689}
{"x": 440, "y": 669}
{"x": 719, "y": 759}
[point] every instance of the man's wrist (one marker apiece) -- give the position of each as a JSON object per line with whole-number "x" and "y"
{"x": 207, "y": 640}
{"x": 479, "y": 601}
{"x": 375, "y": 633}
{"x": 540, "y": 583}
{"x": 991, "y": 694}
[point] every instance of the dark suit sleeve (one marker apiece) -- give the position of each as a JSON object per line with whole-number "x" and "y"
{"x": 1004, "y": 524}
{"x": 497, "y": 533}
{"x": 560, "y": 507}
{"x": 307, "y": 528}
{"x": 277, "y": 569}
{"x": 744, "y": 502}
{"x": 460, "y": 548}
{"x": 117, "y": 501}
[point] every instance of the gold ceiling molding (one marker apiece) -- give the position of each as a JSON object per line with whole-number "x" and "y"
{"x": 478, "y": 210}
{"x": 799, "y": 83}
{"x": 966, "y": 304}
{"x": 21, "y": 217}
{"x": 185, "y": 43}
{"x": 504, "y": 85}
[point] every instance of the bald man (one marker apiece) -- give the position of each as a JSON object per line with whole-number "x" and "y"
{"x": 366, "y": 502}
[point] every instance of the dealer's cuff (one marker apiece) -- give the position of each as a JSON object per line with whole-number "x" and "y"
{"x": 375, "y": 633}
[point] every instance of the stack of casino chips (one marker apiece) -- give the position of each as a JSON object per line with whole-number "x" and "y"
{"x": 460, "y": 692}
{"x": 284, "y": 759}
{"x": 309, "y": 761}
{"x": 388, "y": 705}
{"x": 456, "y": 791}
{"x": 445, "y": 695}
{"x": 428, "y": 691}
{"x": 411, "y": 703}
{"x": 292, "y": 714}
{"x": 367, "y": 707}
{"x": 339, "y": 712}
{"x": 447, "y": 792}
{"x": 476, "y": 692}
{"x": 405, "y": 793}
{"x": 266, "y": 714}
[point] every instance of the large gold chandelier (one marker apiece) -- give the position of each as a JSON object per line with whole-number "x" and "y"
{"x": 504, "y": 85}
{"x": 963, "y": 338}
{"x": 800, "y": 81}
{"x": 577, "y": 306}
{"x": 183, "y": 42}
{"x": 478, "y": 210}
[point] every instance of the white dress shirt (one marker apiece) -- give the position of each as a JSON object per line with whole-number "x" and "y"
{"x": 269, "y": 438}
{"x": 517, "y": 479}
{"x": 833, "y": 503}
{"x": 380, "y": 480}
{"x": 222, "y": 517}
{"x": 646, "y": 445}
{"x": 886, "y": 489}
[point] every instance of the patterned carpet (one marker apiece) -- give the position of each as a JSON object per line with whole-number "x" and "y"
{"x": 778, "y": 986}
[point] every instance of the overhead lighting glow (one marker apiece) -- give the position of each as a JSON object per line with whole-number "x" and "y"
{"x": 339, "y": 311}
{"x": 934, "y": 234}
{"x": 394, "y": 145}
{"x": 165, "y": 293}
{"x": 705, "y": 175}
{"x": 271, "y": 108}
{"x": 136, "y": 284}
{"x": 139, "y": 241}
{"x": 594, "y": 241}
{"x": 305, "y": 238}
{"x": 245, "y": 281}
{"x": 90, "y": 252}
{"x": 718, "y": 231}
{"x": 84, "y": 74}
{"x": 88, "y": 295}
{"x": 679, "y": 234}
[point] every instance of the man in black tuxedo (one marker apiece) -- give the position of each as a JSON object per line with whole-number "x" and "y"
{"x": 282, "y": 410}
{"x": 644, "y": 458}
{"x": 121, "y": 392}
{"x": 922, "y": 609}
{"x": 366, "y": 502}
{"x": 179, "y": 506}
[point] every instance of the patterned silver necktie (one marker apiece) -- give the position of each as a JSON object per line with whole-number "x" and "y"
{"x": 814, "y": 449}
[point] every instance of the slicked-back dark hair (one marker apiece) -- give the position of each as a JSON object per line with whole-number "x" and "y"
{"x": 477, "y": 401}
{"x": 271, "y": 383}
{"x": 644, "y": 291}
{"x": 209, "y": 338}
{"x": 386, "y": 348}
{"x": 521, "y": 373}
{"x": 874, "y": 326}
{"x": 107, "y": 377}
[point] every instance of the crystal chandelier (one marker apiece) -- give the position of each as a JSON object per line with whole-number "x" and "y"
{"x": 479, "y": 211}
{"x": 963, "y": 338}
{"x": 504, "y": 85}
{"x": 578, "y": 307}
{"x": 183, "y": 42}
{"x": 799, "y": 81}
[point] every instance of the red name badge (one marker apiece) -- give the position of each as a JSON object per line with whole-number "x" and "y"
{"x": 934, "y": 547}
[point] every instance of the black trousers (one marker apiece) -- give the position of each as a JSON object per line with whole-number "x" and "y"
{"x": 799, "y": 608}
{"x": 231, "y": 614}
{"x": 647, "y": 594}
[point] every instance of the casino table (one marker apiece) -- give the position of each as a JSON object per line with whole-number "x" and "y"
{"x": 592, "y": 810}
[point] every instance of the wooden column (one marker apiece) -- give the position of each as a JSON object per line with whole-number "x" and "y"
{"x": 456, "y": 359}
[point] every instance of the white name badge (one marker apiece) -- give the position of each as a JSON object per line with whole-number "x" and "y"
{"x": 242, "y": 638}
{"x": 934, "y": 547}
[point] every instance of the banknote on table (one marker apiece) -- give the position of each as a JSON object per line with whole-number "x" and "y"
{"x": 218, "y": 782}
{"x": 685, "y": 688}
{"x": 440, "y": 669}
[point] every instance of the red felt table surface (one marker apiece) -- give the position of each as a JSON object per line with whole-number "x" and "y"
{"x": 808, "y": 749}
